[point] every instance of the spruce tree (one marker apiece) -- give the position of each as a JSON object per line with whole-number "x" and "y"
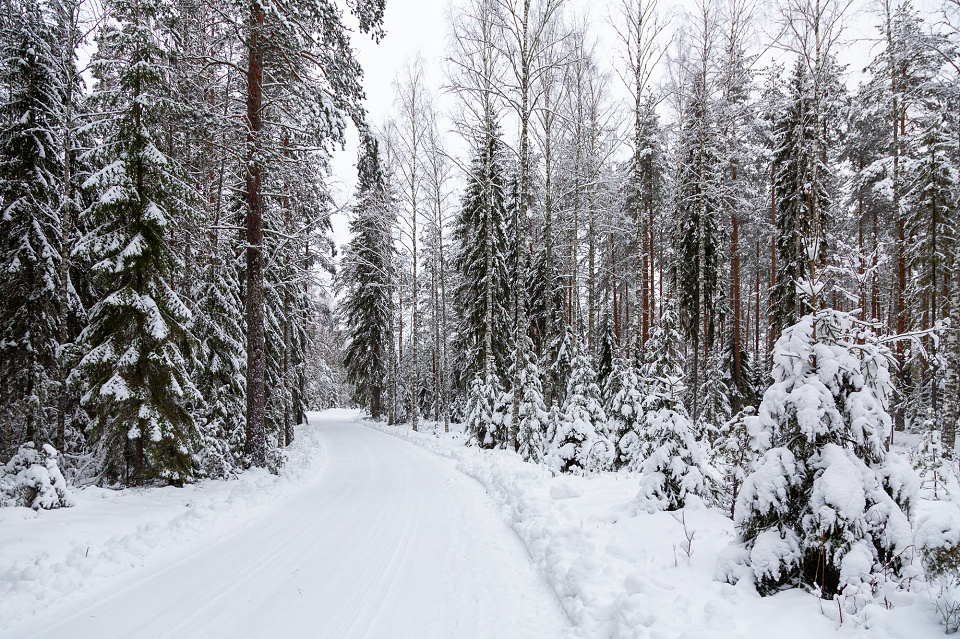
{"x": 626, "y": 419}
{"x": 31, "y": 194}
{"x": 933, "y": 231}
{"x": 367, "y": 306}
{"x": 533, "y": 420}
{"x": 606, "y": 356}
{"x": 486, "y": 413}
{"x": 481, "y": 261}
{"x": 734, "y": 452}
{"x": 579, "y": 440}
{"x": 675, "y": 467}
{"x": 794, "y": 164}
{"x": 135, "y": 371}
{"x": 698, "y": 236}
{"x": 219, "y": 369}
{"x": 562, "y": 365}
{"x": 825, "y": 506}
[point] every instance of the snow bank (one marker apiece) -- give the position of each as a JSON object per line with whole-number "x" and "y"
{"x": 622, "y": 573}
{"x": 49, "y": 557}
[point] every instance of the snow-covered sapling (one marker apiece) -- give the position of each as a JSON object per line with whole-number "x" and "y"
{"x": 929, "y": 461}
{"x": 675, "y": 467}
{"x": 626, "y": 419}
{"x": 826, "y": 506}
{"x": 533, "y": 418}
{"x": 734, "y": 451}
{"x": 578, "y": 439}
{"x": 938, "y": 541}
{"x": 486, "y": 425}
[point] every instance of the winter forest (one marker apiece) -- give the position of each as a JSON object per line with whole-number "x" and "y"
{"x": 709, "y": 249}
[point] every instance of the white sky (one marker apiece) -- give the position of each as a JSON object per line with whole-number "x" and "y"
{"x": 413, "y": 26}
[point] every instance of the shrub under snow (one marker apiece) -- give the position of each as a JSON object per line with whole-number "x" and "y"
{"x": 825, "y": 505}
{"x": 33, "y": 479}
{"x": 938, "y": 541}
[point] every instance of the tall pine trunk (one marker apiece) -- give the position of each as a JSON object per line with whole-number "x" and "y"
{"x": 256, "y": 447}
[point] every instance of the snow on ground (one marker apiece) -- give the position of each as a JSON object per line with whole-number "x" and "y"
{"x": 621, "y": 573}
{"x": 383, "y": 540}
{"x": 58, "y": 556}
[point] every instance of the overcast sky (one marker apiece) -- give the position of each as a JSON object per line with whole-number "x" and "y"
{"x": 413, "y": 26}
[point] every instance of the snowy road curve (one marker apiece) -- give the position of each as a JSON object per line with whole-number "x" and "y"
{"x": 388, "y": 542}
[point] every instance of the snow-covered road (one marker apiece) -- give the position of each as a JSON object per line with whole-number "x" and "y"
{"x": 388, "y": 542}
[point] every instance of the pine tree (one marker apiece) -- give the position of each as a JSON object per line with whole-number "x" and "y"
{"x": 302, "y": 83}
{"x": 368, "y": 303}
{"x": 135, "y": 370}
{"x": 825, "y": 505}
{"x": 579, "y": 441}
{"x": 31, "y": 194}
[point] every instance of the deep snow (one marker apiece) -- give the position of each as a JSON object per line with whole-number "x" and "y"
{"x": 380, "y": 540}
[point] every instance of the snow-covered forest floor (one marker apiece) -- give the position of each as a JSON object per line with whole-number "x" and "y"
{"x": 622, "y": 573}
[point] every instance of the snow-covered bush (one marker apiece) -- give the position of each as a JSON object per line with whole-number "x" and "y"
{"x": 578, "y": 441}
{"x": 486, "y": 426}
{"x": 825, "y": 505}
{"x": 675, "y": 467}
{"x": 626, "y": 419}
{"x": 938, "y": 541}
{"x": 33, "y": 479}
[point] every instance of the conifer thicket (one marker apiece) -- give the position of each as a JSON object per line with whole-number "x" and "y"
{"x": 166, "y": 229}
